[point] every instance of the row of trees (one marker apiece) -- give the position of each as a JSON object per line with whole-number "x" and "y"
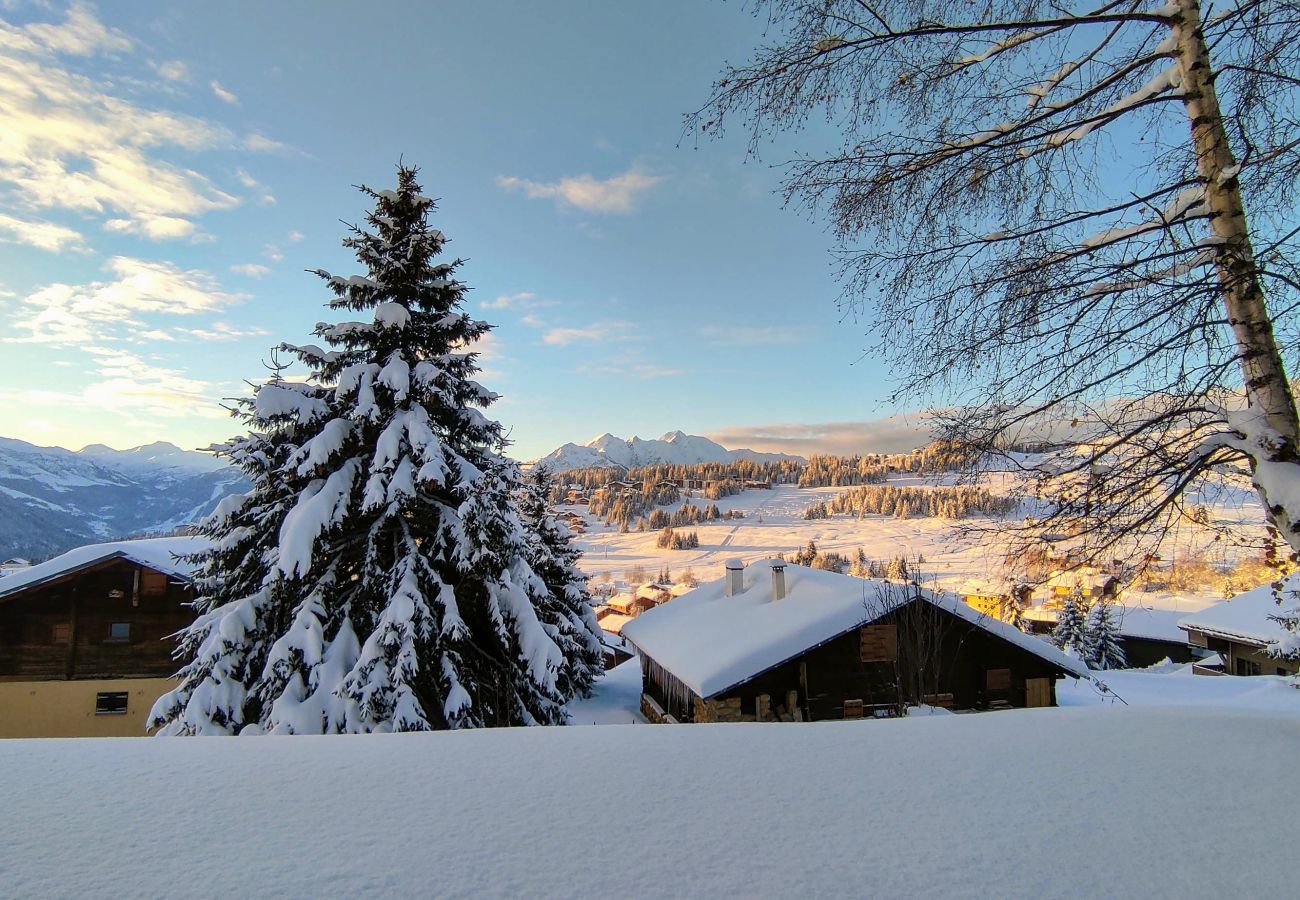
{"x": 390, "y": 569}
{"x": 907, "y": 502}
{"x": 935, "y": 458}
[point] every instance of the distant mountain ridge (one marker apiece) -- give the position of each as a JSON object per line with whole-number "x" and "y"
{"x": 52, "y": 499}
{"x": 674, "y": 448}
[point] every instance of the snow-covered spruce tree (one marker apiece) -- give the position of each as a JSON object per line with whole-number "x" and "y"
{"x": 567, "y": 610}
{"x": 1071, "y": 632}
{"x": 1104, "y": 648}
{"x": 236, "y": 626}
{"x": 397, "y": 592}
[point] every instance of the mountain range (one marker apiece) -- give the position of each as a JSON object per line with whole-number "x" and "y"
{"x": 674, "y": 448}
{"x": 52, "y": 499}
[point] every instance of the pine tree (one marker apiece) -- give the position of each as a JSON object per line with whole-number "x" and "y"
{"x": 1070, "y": 633}
{"x": 394, "y": 589}
{"x": 1103, "y": 642}
{"x": 566, "y": 611}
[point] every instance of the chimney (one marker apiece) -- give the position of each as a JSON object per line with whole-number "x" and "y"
{"x": 735, "y": 577}
{"x": 778, "y": 579}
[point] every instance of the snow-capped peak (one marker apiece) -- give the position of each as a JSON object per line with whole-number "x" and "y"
{"x": 674, "y": 448}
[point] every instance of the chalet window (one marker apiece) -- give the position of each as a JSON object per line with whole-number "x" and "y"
{"x": 111, "y": 703}
{"x": 152, "y": 584}
{"x": 61, "y": 633}
{"x": 879, "y": 643}
{"x": 119, "y": 632}
{"x": 1247, "y": 667}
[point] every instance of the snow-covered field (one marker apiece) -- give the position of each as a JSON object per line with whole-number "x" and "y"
{"x": 1026, "y": 803}
{"x": 774, "y": 523}
{"x": 1175, "y": 685}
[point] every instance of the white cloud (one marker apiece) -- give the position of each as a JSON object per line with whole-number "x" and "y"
{"x": 251, "y": 270}
{"x": 172, "y": 70}
{"x": 295, "y": 237}
{"x": 82, "y": 34}
{"x": 222, "y": 331}
{"x": 263, "y": 144}
{"x": 507, "y": 301}
{"x": 273, "y": 253}
{"x": 597, "y": 331}
{"x": 39, "y": 234}
{"x": 755, "y": 335}
{"x": 265, "y": 197}
{"x": 533, "y": 321}
{"x": 157, "y": 228}
{"x": 895, "y": 434}
{"x": 618, "y": 194}
{"x": 86, "y": 314}
{"x": 222, "y": 94}
{"x": 71, "y": 142}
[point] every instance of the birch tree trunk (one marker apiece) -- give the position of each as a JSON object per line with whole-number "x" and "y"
{"x": 1267, "y": 388}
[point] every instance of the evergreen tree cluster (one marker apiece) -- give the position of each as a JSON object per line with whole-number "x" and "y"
{"x": 875, "y": 468}
{"x": 912, "y": 502}
{"x": 677, "y": 540}
{"x": 622, "y": 507}
{"x": 1090, "y": 634}
{"x": 389, "y": 570}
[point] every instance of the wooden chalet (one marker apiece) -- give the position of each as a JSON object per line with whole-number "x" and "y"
{"x": 1242, "y": 628}
{"x": 85, "y": 638}
{"x": 1146, "y": 635}
{"x": 780, "y": 642}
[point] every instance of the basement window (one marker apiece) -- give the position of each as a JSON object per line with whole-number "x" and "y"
{"x": 119, "y": 632}
{"x": 111, "y": 703}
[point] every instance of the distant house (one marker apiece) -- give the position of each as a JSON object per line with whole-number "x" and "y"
{"x": 1241, "y": 628}
{"x": 776, "y": 641}
{"x": 85, "y": 638}
{"x": 998, "y": 599}
{"x": 1091, "y": 583}
{"x": 13, "y": 564}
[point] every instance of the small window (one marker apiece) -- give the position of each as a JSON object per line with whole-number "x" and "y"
{"x": 61, "y": 633}
{"x": 119, "y": 631}
{"x": 111, "y": 703}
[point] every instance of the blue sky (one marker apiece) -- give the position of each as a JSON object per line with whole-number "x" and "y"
{"x": 168, "y": 170}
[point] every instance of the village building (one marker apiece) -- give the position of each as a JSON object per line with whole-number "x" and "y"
{"x": 13, "y": 564}
{"x": 1241, "y": 628}
{"x": 85, "y": 638}
{"x": 1091, "y": 583}
{"x": 780, "y": 642}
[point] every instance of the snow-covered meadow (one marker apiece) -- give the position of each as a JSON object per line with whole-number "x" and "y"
{"x": 1026, "y": 803}
{"x": 774, "y": 523}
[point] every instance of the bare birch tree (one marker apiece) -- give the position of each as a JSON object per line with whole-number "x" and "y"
{"x": 1066, "y": 211}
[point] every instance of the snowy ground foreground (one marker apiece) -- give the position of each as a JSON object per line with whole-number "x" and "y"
{"x": 950, "y": 559}
{"x": 1175, "y": 685}
{"x": 1026, "y": 803}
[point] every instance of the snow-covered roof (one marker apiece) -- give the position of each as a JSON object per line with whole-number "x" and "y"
{"x": 615, "y": 622}
{"x": 1245, "y": 617}
{"x": 712, "y": 642}
{"x": 1151, "y": 624}
{"x": 156, "y": 553}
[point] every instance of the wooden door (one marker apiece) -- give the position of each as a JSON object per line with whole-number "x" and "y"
{"x": 1038, "y": 692}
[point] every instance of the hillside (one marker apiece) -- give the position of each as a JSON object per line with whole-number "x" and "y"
{"x": 674, "y": 448}
{"x": 1039, "y": 803}
{"x": 52, "y": 499}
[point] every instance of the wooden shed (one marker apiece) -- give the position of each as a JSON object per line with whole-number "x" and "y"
{"x": 780, "y": 642}
{"x": 86, "y": 638}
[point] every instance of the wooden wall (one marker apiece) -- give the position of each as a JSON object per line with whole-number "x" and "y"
{"x": 62, "y": 630}
{"x": 828, "y": 675}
